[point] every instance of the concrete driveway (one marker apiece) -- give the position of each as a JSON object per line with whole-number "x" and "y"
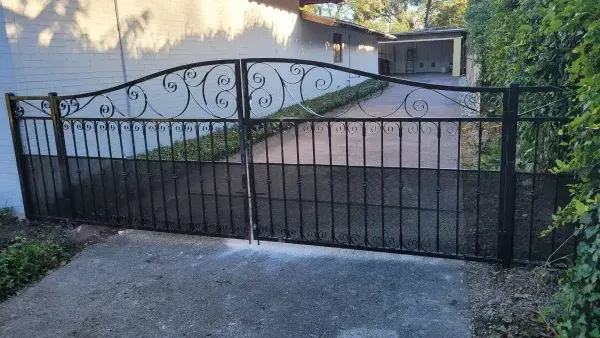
{"x": 377, "y": 147}
{"x": 142, "y": 284}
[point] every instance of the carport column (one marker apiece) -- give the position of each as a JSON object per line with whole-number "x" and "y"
{"x": 456, "y": 56}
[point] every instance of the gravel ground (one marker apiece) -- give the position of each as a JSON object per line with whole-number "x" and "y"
{"x": 506, "y": 302}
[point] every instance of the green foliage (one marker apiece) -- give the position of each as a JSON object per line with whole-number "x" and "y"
{"x": 448, "y": 13}
{"x": 24, "y": 262}
{"x": 6, "y": 212}
{"x": 556, "y": 42}
{"x": 579, "y": 22}
{"x": 517, "y": 49}
{"x": 394, "y": 15}
{"x": 221, "y": 143}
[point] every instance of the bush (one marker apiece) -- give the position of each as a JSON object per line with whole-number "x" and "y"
{"x": 557, "y": 42}
{"x": 24, "y": 262}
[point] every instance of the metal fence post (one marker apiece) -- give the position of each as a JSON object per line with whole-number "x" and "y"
{"x": 509, "y": 140}
{"x": 246, "y": 149}
{"x": 18, "y": 148}
{"x": 61, "y": 153}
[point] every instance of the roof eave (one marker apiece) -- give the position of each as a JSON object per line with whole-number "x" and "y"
{"x": 347, "y": 25}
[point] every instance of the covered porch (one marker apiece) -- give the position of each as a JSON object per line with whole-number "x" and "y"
{"x": 427, "y": 51}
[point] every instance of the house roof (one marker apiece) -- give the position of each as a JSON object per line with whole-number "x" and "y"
{"x": 343, "y": 24}
{"x": 432, "y": 31}
{"x": 314, "y": 2}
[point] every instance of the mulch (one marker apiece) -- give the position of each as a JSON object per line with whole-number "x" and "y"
{"x": 507, "y": 302}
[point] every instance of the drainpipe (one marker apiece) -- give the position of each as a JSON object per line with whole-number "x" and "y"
{"x": 123, "y": 67}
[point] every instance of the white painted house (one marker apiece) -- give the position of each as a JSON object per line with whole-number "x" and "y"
{"x": 74, "y": 46}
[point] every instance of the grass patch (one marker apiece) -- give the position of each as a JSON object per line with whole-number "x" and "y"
{"x": 220, "y": 143}
{"x": 23, "y": 262}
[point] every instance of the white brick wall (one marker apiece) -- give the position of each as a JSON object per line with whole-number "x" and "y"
{"x": 10, "y": 190}
{"x": 73, "y": 46}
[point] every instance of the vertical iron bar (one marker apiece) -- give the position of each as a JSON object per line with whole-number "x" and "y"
{"x": 249, "y": 153}
{"x": 382, "y": 191}
{"x": 39, "y": 151}
{"x": 243, "y": 110}
{"x": 438, "y": 189}
{"x": 456, "y": 250}
{"x": 364, "y": 146}
{"x": 52, "y": 170}
{"x": 510, "y": 117}
{"x": 228, "y": 179}
{"x": 348, "y": 183}
{"x": 150, "y": 187}
{"x": 124, "y": 168}
{"x": 401, "y": 186}
{"x": 299, "y": 182}
{"x": 137, "y": 176}
{"x": 556, "y": 187}
{"x": 79, "y": 170}
{"x": 252, "y": 178}
{"x": 266, "y": 136}
{"x": 200, "y": 172}
{"x": 502, "y": 190}
{"x": 214, "y": 173}
{"x": 175, "y": 177}
{"x": 532, "y": 195}
{"x": 112, "y": 169}
{"x": 15, "y": 131}
{"x": 478, "y": 191}
{"x": 187, "y": 176}
{"x": 287, "y": 233}
{"x": 61, "y": 153}
{"x": 419, "y": 187}
{"x": 314, "y": 158}
{"x": 162, "y": 177}
{"x": 104, "y": 199}
{"x": 89, "y": 166}
{"x": 332, "y": 207}
{"x": 30, "y": 156}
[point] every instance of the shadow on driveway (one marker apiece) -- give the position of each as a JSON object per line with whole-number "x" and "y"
{"x": 143, "y": 284}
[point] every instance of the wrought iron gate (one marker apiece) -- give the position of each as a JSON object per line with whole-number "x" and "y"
{"x": 301, "y": 151}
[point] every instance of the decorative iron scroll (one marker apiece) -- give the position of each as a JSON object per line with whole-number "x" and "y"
{"x": 271, "y": 89}
{"x": 204, "y": 91}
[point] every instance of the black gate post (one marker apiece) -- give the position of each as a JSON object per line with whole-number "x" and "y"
{"x": 246, "y": 139}
{"x": 18, "y": 147}
{"x": 240, "y": 67}
{"x": 508, "y": 179}
{"x": 61, "y": 153}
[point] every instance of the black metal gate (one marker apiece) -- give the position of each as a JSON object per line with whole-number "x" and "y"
{"x": 301, "y": 151}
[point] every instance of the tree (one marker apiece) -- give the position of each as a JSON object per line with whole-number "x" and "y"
{"x": 427, "y": 11}
{"x": 396, "y": 15}
{"x": 447, "y": 13}
{"x": 382, "y": 15}
{"x": 556, "y": 43}
{"x": 337, "y": 11}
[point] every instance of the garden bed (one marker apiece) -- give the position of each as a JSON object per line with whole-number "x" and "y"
{"x": 30, "y": 249}
{"x": 509, "y": 302}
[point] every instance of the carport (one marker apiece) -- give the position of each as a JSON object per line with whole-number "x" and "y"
{"x": 424, "y": 51}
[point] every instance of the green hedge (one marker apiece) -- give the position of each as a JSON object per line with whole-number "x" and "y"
{"x": 25, "y": 262}
{"x": 226, "y": 142}
{"x": 555, "y": 42}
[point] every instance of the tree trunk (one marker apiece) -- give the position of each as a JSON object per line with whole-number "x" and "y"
{"x": 427, "y": 10}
